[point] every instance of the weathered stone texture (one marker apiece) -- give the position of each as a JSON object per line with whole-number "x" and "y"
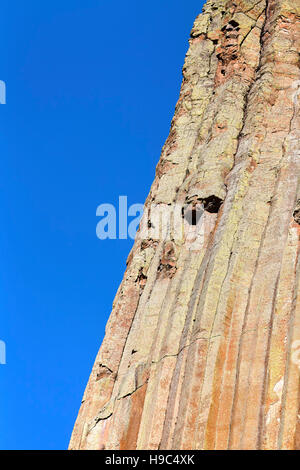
{"x": 201, "y": 349}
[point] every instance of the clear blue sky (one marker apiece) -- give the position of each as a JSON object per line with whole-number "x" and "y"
{"x": 91, "y": 90}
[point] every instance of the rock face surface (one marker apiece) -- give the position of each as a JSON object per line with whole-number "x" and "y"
{"x": 202, "y": 349}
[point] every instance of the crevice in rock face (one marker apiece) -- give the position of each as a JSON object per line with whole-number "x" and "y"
{"x": 228, "y": 51}
{"x": 296, "y": 213}
{"x": 103, "y": 371}
{"x": 167, "y": 267}
{"x": 212, "y": 204}
{"x": 149, "y": 242}
{"x": 142, "y": 279}
{"x": 166, "y": 271}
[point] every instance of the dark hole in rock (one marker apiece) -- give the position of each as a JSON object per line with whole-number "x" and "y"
{"x": 296, "y": 213}
{"x": 223, "y": 72}
{"x": 133, "y": 351}
{"x": 234, "y": 24}
{"x": 212, "y": 204}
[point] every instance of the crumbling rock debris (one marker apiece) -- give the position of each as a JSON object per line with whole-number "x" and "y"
{"x": 204, "y": 342}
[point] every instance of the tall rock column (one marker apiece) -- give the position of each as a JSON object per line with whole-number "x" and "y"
{"x": 202, "y": 349}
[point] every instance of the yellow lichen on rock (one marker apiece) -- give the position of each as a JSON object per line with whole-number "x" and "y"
{"x": 201, "y": 349}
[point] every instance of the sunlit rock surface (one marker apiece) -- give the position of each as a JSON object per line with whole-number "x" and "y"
{"x": 202, "y": 349}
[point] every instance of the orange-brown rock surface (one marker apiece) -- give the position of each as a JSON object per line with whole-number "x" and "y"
{"x": 202, "y": 349}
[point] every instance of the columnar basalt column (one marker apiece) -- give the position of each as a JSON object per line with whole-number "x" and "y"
{"x": 202, "y": 349}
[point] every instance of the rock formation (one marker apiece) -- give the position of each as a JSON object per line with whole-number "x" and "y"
{"x": 202, "y": 349}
